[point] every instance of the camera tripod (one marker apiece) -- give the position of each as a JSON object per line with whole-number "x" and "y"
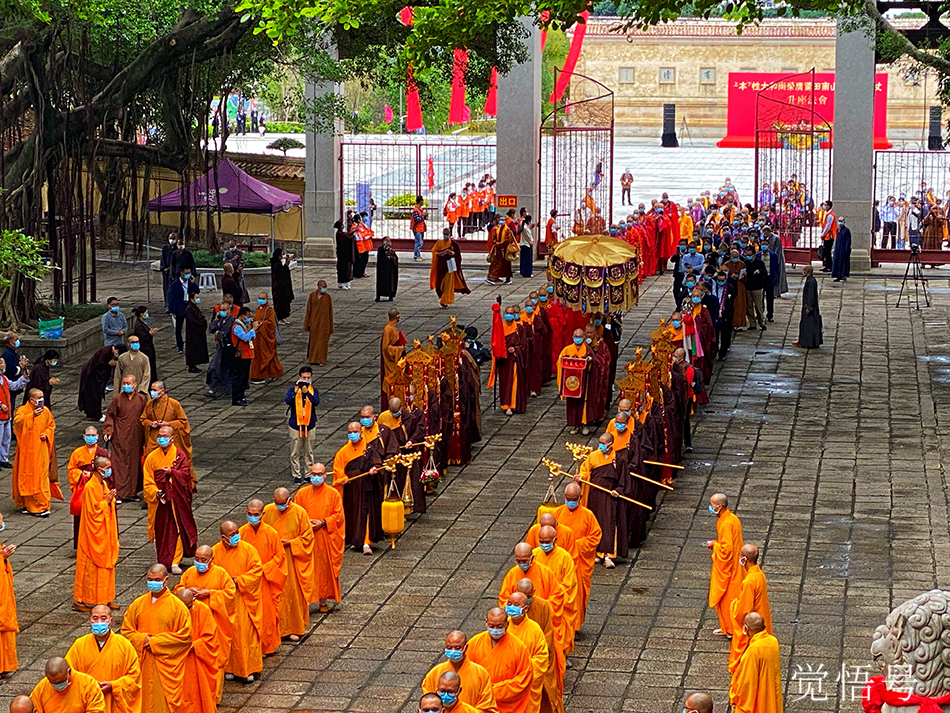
{"x": 915, "y": 272}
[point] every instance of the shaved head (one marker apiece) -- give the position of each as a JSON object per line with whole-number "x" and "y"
{"x": 36, "y": 394}
{"x": 625, "y": 405}
{"x": 547, "y": 534}
{"x": 203, "y": 553}
{"x": 395, "y": 405}
{"x": 572, "y": 491}
{"x": 21, "y": 704}
{"x": 187, "y": 596}
{"x": 518, "y": 599}
{"x": 166, "y": 431}
{"x": 281, "y": 496}
{"x": 56, "y": 669}
{"x": 719, "y": 500}
{"x": 455, "y": 639}
{"x": 496, "y": 618}
{"x": 101, "y": 610}
{"x": 700, "y": 702}
{"x": 750, "y": 552}
{"x": 754, "y": 623}
{"x": 526, "y": 587}
{"x": 449, "y": 682}
{"x": 548, "y": 519}
{"x": 522, "y": 549}
{"x": 367, "y": 412}
{"x": 158, "y": 569}
{"x": 430, "y": 702}
{"x": 255, "y": 507}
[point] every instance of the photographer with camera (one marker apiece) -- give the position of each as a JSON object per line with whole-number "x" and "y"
{"x": 302, "y": 399}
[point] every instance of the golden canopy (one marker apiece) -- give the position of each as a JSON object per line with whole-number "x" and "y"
{"x": 596, "y": 273}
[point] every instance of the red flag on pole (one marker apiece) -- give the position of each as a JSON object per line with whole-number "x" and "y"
{"x": 498, "y": 349}
{"x": 491, "y": 99}
{"x": 573, "y": 54}
{"x": 387, "y": 114}
{"x": 430, "y": 174}
{"x": 544, "y": 33}
{"x": 413, "y": 105}
{"x": 457, "y": 101}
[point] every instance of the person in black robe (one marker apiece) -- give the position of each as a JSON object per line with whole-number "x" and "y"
{"x": 409, "y": 432}
{"x": 543, "y": 322}
{"x": 281, "y": 284}
{"x": 841, "y": 259}
{"x": 598, "y": 375}
{"x": 40, "y": 377}
{"x": 219, "y": 370}
{"x": 145, "y": 333}
{"x": 365, "y": 496}
{"x": 196, "y": 340}
{"x": 609, "y": 471}
{"x": 470, "y": 409}
{"x": 165, "y": 265}
{"x": 810, "y": 326}
{"x": 387, "y": 271}
{"x": 95, "y": 375}
{"x": 231, "y": 286}
{"x": 345, "y": 256}
{"x": 434, "y": 425}
{"x": 724, "y": 294}
{"x": 239, "y": 274}
{"x": 510, "y": 369}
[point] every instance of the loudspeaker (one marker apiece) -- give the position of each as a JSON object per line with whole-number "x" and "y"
{"x": 669, "y": 126}
{"x": 935, "y": 138}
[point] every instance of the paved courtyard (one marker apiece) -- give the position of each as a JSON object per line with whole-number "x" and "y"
{"x": 833, "y": 459}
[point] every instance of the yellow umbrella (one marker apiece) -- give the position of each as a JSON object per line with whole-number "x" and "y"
{"x": 596, "y": 250}
{"x": 596, "y": 273}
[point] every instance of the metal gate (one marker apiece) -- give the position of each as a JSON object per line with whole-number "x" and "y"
{"x": 903, "y": 174}
{"x": 577, "y": 158}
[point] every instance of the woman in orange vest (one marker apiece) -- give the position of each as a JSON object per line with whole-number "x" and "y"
{"x": 451, "y": 213}
{"x": 364, "y": 244}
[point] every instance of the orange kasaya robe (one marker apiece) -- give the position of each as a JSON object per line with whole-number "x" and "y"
{"x": 390, "y": 349}
{"x": 559, "y": 561}
{"x": 757, "y": 679}
{"x": 221, "y": 600}
{"x": 725, "y": 578}
{"x": 552, "y": 700}
{"x": 509, "y": 665}
{"x": 587, "y": 535}
{"x": 547, "y": 587}
{"x": 80, "y": 464}
{"x": 565, "y": 538}
{"x": 349, "y": 452}
{"x": 477, "y": 690}
{"x": 530, "y": 634}
{"x": 82, "y": 695}
{"x": 318, "y": 321}
{"x": 293, "y": 525}
{"x": 167, "y": 409}
{"x": 9, "y": 625}
{"x": 116, "y": 662}
{"x": 167, "y": 624}
{"x": 266, "y": 541}
{"x": 202, "y": 664}
{"x": 98, "y": 546}
{"x": 324, "y": 503}
{"x": 244, "y": 564}
{"x": 753, "y": 597}
{"x": 32, "y": 463}
{"x": 265, "y": 364}
{"x": 155, "y": 461}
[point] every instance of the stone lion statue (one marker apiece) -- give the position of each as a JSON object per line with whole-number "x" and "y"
{"x": 912, "y": 649}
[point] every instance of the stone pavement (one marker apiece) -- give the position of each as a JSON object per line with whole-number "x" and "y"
{"x": 833, "y": 459}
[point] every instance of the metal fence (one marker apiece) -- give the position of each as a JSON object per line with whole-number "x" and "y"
{"x": 912, "y": 173}
{"x": 391, "y": 170}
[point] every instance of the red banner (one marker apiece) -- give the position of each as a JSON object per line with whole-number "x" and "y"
{"x": 780, "y": 101}
{"x": 457, "y": 101}
{"x": 573, "y": 54}
{"x": 491, "y": 99}
{"x": 572, "y": 377}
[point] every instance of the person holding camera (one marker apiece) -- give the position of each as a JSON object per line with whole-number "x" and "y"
{"x": 302, "y": 400}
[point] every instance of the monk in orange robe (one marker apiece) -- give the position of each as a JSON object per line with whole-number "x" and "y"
{"x": 725, "y": 578}
{"x": 9, "y": 626}
{"x": 507, "y": 661}
{"x": 159, "y": 627}
{"x": 318, "y": 322}
{"x": 81, "y": 694}
{"x": 296, "y": 535}
{"x": 241, "y": 561}
{"x": 163, "y": 410}
{"x": 540, "y": 612}
{"x": 98, "y": 550}
{"x": 545, "y": 584}
{"x": 34, "y": 428}
{"x": 265, "y": 364}
{"x": 565, "y": 536}
{"x": 324, "y": 506}
{"x": 530, "y": 634}
{"x": 477, "y": 690}
{"x": 448, "y": 692}
{"x": 587, "y": 536}
{"x": 201, "y": 665}
{"x": 79, "y": 469}
{"x": 214, "y": 587}
{"x": 391, "y": 347}
{"x": 757, "y": 677}
{"x": 753, "y": 597}
{"x": 559, "y": 561}
{"x": 266, "y": 540}
{"x": 166, "y": 490}
{"x": 111, "y": 660}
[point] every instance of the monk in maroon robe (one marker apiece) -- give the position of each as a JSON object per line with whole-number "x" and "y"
{"x": 470, "y": 409}
{"x": 510, "y": 369}
{"x": 543, "y": 322}
{"x": 534, "y": 341}
{"x": 173, "y": 517}
{"x": 598, "y": 375}
{"x": 96, "y": 374}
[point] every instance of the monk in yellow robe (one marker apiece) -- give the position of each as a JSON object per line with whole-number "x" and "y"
{"x": 545, "y": 584}
{"x": 98, "y": 550}
{"x": 565, "y": 536}
{"x": 699, "y": 702}
{"x": 725, "y": 578}
{"x": 266, "y": 540}
{"x": 265, "y": 364}
{"x": 507, "y": 661}
{"x": 9, "y": 625}
{"x": 530, "y": 634}
{"x": 558, "y": 560}
{"x": 391, "y": 347}
{"x": 214, "y": 587}
{"x": 296, "y": 535}
{"x": 34, "y": 428}
{"x": 753, "y": 597}
{"x": 318, "y": 323}
{"x": 111, "y": 660}
{"x": 159, "y": 627}
{"x": 79, "y": 469}
{"x": 241, "y": 561}
{"x": 202, "y": 664}
{"x": 163, "y": 410}
{"x": 587, "y": 536}
{"x": 22, "y": 704}
{"x": 449, "y": 691}
{"x": 324, "y": 507}
{"x": 757, "y": 677}
{"x": 81, "y": 693}
{"x": 539, "y": 611}
{"x": 477, "y": 690}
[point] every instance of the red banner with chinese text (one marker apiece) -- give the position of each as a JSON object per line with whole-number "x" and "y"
{"x": 786, "y": 101}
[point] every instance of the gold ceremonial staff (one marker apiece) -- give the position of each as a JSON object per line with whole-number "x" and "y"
{"x": 580, "y": 452}
{"x": 389, "y": 464}
{"x": 665, "y": 465}
{"x": 557, "y": 470}
{"x": 428, "y": 442}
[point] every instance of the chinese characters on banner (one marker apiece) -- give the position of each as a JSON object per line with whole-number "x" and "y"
{"x": 786, "y": 100}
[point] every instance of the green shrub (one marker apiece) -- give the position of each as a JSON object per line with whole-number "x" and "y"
{"x": 203, "y": 258}
{"x": 286, "y": 127}
{"x": 402, "y": 200}
{"x": 75, "y": 314}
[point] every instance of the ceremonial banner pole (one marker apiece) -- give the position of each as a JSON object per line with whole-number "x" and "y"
{"x": 557, "y": 470}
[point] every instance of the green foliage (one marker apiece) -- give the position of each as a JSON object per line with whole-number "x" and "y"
{"x": 404, "y": 201}
{"x": 21, "y": 254}
{"x": 286, "y": 127}
{"x": 285, "y": 144}
{"x": 206, "y": 259}
{"x": 555, "y": 52}
{"x": 71, "y": 314}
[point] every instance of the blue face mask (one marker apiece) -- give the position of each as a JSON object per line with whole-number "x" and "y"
{"x": 692, "y": 251}
{"x": 261, "y": 301}
{"x": 534, "y": 300}
{"x": 448, "y": 699}
{"x": 675, "y": 323}
{"x": 524, "y": 566}
{"x": 354, "y": 437}
{"x": 509, "y": 317}
{"x": 495, "y": 633}
{"x": 512, "y": 610}
{"x": 317, "y": 479}
{"x": 60, "y": 686}
{"x": 366, "y": 422}
{"x": 603, "y": 447}
{"x": 16, "y": 343}
{"x": 222, "y": 313}
{"x": 713, "y": 510}
{"x": 453, "y": 655}
{"x": 691, "y": 283}
{"x": 598, "y": 322}
{"x": 546, "y": 546}
{"x": 550, "y": 289}
{"x": 154, "y": 587}
{"x": 621, "y": 427}
{"x": 153, "y": 394}
{"x": 3, "y": 526}
{"x": 91, "y": 440}
{"x": 114, "y": 308}
{"x": 197, "y": 300}
{"x": 282, "y": 506}
{"x": 235, "y": 539}
{"x": 529, "y": 309}
{"x": 135, "y": 346}
{"x": 696, "y": 300}
{"x": 254, "y": 519}
{"x": 735, "y": 259}
{"x": 164, "y": 441}
{"x": 323, "y": 290}
{"x": 572, "y": 504}
{"x": 127, "y": 388}
{"x": 100, "y": 628}
{"x": 107, "y": 473}
{"x": 202, "y": 566}
{"x": 578, "y": 340}
{"x": 544, "y": 298}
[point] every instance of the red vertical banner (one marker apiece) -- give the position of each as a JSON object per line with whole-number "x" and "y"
{"x": 573, "y": 54}
{"x": 457, "y": 101}
{"x": 430, "y": 174}
{"x": 388, "y": 114}
{"x": 491, "y": 99}
{"x": 413, "y": 105}
{"x": 544, "y": 33}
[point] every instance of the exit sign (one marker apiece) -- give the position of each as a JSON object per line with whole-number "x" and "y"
{"x": 507, "y": 201}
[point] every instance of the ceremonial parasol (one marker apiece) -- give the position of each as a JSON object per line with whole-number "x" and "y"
{"x": 596, "y": 273}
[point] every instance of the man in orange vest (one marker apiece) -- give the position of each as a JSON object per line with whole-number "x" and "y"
{"x": 828, "y": 232}
{"x": 451, "y": 213}
{"x": 242, "y": 337}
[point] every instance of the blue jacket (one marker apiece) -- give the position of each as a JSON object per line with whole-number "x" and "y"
{"x": 176, "y": 297}
{"x": 314, "y": 399}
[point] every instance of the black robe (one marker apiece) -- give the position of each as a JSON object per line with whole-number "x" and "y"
{"x": 470, "y": 409}
{"x": 196, "y": 340}
{"x": 610, "y": 511}
{"x": 439, "y": 453}
{"x": 146, "y": 345}
{"x": 96, "y": 374}
{"x": 219, "y": 370}
{"x": 345, "y": 256}
{"x": 231, "y": 286}
{"x": 39, "y": 379}
{"x": 810, "y": 326}
{"x": 282, "y": 288}
{"x": 387, "y": 272}
{"x": 412, "y": 428}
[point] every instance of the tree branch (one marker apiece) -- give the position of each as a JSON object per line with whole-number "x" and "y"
{"x": 905, "y": 45}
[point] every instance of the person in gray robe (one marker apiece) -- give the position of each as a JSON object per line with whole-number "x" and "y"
{"x": 777, "y": 249}
{"x": 809, "y": 328}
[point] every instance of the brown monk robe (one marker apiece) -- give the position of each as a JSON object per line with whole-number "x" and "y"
{"x": 501, "y": 242}
{"x": 265, "y": 364}
{"x": 433, "y": 411}
{"x": 408, "y": 429}
{"x": 534, "y": 339}
{"x": 362, "y": 498}
{"x": 94, "y": 378}
{"x": 380, "y": 444}
{"x": 123, "y": 430}
{"x": 79, "y": 470}
{"x": 628, "y": 448}
{"x": 735, "y": 268}
{"x": 163, "y": 410}
{"x": 470, "y": 408}
{"x": 510, "y": 369}
{"x": 677, "y": 406}
{"x": 391, "y": 346}
{"x": 447, "y": 447}
{"x": 547, "y": 335}
{"x": 601, "y": 468}
{"x": 202, "y": 664}
{"x": 598, "y": 376}
{"x": 166, "y": 488}
{"x": 318, "y": 323}
{"x": 540, "y": 612}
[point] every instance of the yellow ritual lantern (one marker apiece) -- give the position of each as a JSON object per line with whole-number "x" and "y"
{"x": 394, "y": 513}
